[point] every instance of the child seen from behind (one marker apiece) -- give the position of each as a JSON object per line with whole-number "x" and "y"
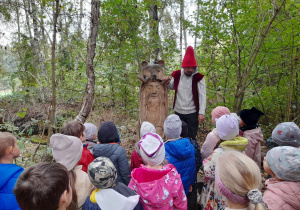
{"x": 109, "y": 147}
{"x": 109, "y": 195}
{"x": 67, "y": 151}
{"x": 77, "y": 129}
{"x": 251, "y": 130}
{"x": 158, "y": 185}
{"x": 9, "y": 172}
{"x": 136, "y": 159}
{"x": 238, "y": 179}
{"x": 212, "y": 138}
{"x": 228, "y": 129}
{"x": 44, "y": 186}
{"x": 283, "y": 189}
{"x": 91, "y": 135}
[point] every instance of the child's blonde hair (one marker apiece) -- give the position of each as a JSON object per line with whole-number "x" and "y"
{"x": 240, "y": 175}
{"x": 6, "y": 140}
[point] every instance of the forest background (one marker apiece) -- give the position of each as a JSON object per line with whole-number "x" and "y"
{"x": 73, "y": 59}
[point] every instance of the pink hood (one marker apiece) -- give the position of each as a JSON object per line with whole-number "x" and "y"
{"x": 159, "y": 189}
{"x": 253, "y": 149}
{"x": 282, "y": 195}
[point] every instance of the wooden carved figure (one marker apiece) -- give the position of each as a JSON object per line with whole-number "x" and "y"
{"x": 153, "y": 98}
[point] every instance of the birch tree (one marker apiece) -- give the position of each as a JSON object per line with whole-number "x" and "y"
{"x": 90, "y": 88}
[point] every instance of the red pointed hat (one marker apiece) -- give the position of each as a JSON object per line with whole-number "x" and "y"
{"x": 189, "y": 58}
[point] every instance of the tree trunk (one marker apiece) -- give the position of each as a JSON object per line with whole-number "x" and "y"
{"x": 53, "y": 82}
{"x": 89, "y": 99}
{"x": 183, "y": 27}
{"x": 154, "y": 36}
{"x": 180, "y": 29}
{"x": 289, "y": 101}
{"x": 197, "y": 23}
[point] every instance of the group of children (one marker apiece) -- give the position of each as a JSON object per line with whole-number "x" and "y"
{"x": 95, "y": 175}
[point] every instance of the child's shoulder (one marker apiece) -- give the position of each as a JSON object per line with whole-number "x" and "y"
{"x": 5, "y": 167}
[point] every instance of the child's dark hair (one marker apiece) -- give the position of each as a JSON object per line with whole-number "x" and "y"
{"x": 73, "y": 128}
{"x": 41, "y": 186}
{"x": 6, "y": 140}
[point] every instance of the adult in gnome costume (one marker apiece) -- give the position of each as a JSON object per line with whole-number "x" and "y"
{"x": 190, "y": 93}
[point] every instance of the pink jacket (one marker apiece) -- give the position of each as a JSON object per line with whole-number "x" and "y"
{"x": 210, "y": 143}
{"x": 282, "y": 195}
{"x": 253, "y": 149}
{"x": 159, "y": 189}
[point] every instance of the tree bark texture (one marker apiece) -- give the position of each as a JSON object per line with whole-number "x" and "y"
{"x": 91, "y": 48}
{"x": 53, "y": 82}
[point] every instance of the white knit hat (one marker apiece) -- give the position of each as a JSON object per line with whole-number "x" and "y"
{"x": 227, "y": 127}
{"x": 90, "y": 130}
{"x": 173, "y": 126}
{"x": 66, "y": 150}
{"x": 147, "y": 127}
{"x": 152, "y": 149}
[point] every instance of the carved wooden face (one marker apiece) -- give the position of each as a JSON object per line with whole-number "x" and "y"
{"x": 153, "y": 90}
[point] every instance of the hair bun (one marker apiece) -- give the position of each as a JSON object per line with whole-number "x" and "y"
{"x": 255, "y": 196}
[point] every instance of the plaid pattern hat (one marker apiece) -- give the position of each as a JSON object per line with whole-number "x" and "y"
{"x": 285, "y": 162}
{"x": 102, "y": 173}
{"x": 286, "y": 134}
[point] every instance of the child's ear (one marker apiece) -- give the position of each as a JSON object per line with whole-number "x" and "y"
{"x": 63, "y": 201}
{"x": 9, "y": 150}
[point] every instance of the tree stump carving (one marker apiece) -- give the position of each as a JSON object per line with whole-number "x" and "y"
{"x": 153, "y": 96}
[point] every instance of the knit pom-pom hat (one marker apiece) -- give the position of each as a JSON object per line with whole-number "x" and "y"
{"x": 218, "y": 112}
{"x": 189, "y": 59}
{"x": 108, "y": 133}
{"x": 250, "y": 116}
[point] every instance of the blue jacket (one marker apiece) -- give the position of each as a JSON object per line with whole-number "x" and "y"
{"x": 9, "y": 174}
{"x": 117, "y": 155}
{"x": 181, "y": 153}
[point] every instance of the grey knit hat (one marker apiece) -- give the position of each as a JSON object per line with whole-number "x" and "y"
{"x": 102, "y": 173}
{"x": 66, "y": 150}
{"x": 287, "y": 134}
{"x": 173, "y": 126}
{"x": 285, "y": 162}
{"x": 90, "y": 130}
{"x": 147, "y": 127}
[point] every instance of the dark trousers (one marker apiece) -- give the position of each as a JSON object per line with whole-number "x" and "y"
{"x": 192, "y": 198}
{"x": 192, "y": 121}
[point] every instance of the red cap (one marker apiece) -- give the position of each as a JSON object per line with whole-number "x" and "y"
{"x": 189, "y": 58}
